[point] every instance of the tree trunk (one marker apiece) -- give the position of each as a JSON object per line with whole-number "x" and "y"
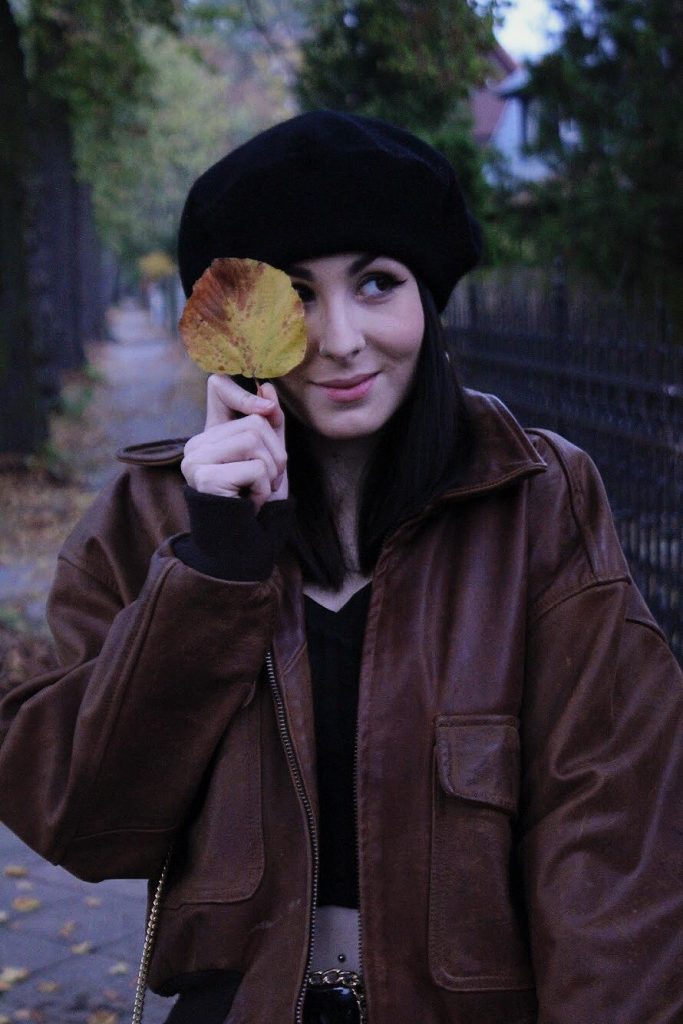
{"x": 55, "y": 277}
{"x": 23, "y": 424}
{"x": 92, "y": 287}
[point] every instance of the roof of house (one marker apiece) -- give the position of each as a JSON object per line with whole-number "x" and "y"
{"x": 487, "y": 104}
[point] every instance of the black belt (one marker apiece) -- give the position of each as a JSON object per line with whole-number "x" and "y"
{"x": 334, "y": 997}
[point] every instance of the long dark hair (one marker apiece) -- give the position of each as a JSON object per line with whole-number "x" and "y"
{"x": 420, "y": 451}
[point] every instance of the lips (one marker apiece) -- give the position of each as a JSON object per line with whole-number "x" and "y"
{"x": 348, "y": 389}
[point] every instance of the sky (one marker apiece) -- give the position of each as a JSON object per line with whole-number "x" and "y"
{"x": 525, "y": 32}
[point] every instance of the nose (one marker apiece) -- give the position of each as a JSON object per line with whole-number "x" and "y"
{"x": 335, "y": 329}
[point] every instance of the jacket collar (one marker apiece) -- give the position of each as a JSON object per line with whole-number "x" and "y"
{"x": 503, "y": 451}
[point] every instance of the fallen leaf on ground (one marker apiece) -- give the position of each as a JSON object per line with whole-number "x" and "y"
{"x": 25, "y": 886}
{"x": 67, "y": 930}
{"x": 4, "y": 917}
{"x": 92, "y": 901}
{"x": 10, "y": 976}
{"x": 48, "y": 986}
{"x": 4, "y": 1019}
{"x": 244, "y": 317}
{"x": 82, "y": 948}
{"x": 121, "y": 967}
{"x": 25, "y": 904}
{"x": 103, "y": 1017}
{"x": 15, "y": 871}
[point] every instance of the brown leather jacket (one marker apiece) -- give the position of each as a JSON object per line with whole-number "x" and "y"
{"x": 519, "y": 763}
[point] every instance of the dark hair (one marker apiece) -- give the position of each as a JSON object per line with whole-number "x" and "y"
{"x": 432, "y": 432}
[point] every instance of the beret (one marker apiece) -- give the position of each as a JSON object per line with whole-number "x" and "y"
{"x": 325, "y": 183}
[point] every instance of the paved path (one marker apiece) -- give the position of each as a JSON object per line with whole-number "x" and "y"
{"x": 69, "y": 951}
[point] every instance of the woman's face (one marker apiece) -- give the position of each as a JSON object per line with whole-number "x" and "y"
{"x": 365, "y": 324}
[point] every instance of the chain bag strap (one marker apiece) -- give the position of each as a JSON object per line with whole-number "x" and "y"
{"x": 148, "y": 945}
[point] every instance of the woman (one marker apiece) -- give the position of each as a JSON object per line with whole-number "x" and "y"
{"x": 377, "y": 678}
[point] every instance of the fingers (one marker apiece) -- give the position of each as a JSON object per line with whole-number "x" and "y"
{"x": 234, "y": 478}
{"x": 225, "y": 399}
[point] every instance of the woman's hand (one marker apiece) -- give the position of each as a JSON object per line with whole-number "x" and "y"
{"x": 239, "y": 455}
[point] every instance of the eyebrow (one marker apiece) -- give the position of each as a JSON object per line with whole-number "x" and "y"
{"x": 296, "y": 271}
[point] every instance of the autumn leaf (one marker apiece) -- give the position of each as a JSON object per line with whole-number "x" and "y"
{"x": 25, "y": 904}
{"x": 244, "y": 317}
{"x": 67, "y": 930}
{"x": 121, "y": 967}
{"x": 92, "y": 901}
{"x": 48, "y": 986}
{"x": 15, "y": 871}
{"x": 82, "y": 948}
{"x": 103, "y": 1017}
{"x": 10, "y": 976}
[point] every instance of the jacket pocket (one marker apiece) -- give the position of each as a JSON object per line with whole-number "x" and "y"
{"x": 476, "y": 932}
{"x": 220, "y": 856}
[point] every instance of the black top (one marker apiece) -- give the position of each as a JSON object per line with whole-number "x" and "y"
{"x": 335, "y": 643}
{"x": 228, "y": 539}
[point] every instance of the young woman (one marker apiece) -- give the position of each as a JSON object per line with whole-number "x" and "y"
{"x": 362, "y": 663}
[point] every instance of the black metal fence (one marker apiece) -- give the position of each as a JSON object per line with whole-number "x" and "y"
{"x": 611, "y": 381}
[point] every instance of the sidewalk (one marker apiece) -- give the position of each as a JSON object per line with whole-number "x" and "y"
{"x": 69, "y": 951}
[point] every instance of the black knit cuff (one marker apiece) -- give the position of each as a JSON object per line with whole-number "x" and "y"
{"x": 229, "y": 541}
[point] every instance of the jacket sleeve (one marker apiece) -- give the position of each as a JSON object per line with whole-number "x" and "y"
{"x": 100, "y": 759}
{"x": 602, "y": 808}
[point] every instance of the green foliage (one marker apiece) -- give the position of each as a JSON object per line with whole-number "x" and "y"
{"x": 614, "y": 204}
{"x": 87, "y": 53}
{"x": 141, "y": 172}
{"x": 411, "y": 62}
{"x": 408, "y": 61}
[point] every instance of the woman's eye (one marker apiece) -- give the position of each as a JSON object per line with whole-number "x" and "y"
{"x": 304, "y": 291}
{"x": 377, "y": 284}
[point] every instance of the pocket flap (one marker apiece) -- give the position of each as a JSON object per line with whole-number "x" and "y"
{"x": 478, "y": 758}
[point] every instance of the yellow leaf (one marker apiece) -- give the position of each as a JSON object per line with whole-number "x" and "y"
{"x": 82, "y": 948}
{"x": 244, "y": 317}
{"x": 4, "y": 1019}
{"x": 15, "y": 871}
{"x": 25, "y": 904}
{"x": 103, "y": 1017}
{"x": 10, "y": 976}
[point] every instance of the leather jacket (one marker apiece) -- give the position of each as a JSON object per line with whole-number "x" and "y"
{"x": 519, "y": 772}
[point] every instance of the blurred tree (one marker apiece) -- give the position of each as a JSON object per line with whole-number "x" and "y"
{"x": 81, "y": 63}
{"x": 611, "y": 97}
{"x": 23, "y": 423}
{"x": 411, "y": 62}
{"x": 141, "y": 171}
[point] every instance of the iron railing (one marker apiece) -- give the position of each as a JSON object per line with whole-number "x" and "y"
{"x": 609, "y": 380}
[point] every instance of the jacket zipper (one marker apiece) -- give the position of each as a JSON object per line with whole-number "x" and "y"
{"x": 310, "y": 817}
{"x": 360, "y": 898}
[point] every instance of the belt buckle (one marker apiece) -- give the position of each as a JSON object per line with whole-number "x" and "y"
{"x": 336, "y": 978}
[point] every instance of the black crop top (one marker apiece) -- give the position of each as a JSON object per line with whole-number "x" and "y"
{"x": 335, "y": 643}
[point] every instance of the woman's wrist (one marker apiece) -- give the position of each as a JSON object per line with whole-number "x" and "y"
{"x": 229, "y": 540}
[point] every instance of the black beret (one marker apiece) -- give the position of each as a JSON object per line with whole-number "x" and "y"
{"x": 324, "y": 183}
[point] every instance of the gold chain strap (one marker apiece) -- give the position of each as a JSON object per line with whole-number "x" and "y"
{"x": 148, "y": 945}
